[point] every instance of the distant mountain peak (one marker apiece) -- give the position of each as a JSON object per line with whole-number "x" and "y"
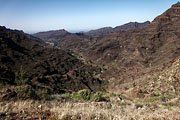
{"x": 52, "y": 33}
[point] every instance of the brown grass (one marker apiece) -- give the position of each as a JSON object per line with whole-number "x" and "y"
{"x": 89, "y": 111}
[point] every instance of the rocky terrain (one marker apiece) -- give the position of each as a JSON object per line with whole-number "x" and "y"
{"x": 130, "y": 74}
{"x": 129, "y": 55}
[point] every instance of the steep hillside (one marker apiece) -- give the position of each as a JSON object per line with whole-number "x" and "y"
{"x": 164, "y": 84}
{"x": 46, "y": 67}
{"x": 131, "y": 54}
{"x": 125, "y": 27}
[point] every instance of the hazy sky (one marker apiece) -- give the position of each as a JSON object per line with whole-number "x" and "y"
{"x": 77, "y": 15}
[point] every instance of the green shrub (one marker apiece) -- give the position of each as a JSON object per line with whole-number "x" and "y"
{"x": 21, "y": 77}
{"x": 25, "y": 92}
{"x": 85, "y": 94}
{"x": 97, "y": 97}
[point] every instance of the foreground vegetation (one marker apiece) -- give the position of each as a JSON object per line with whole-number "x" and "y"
{"x": 115, "y": 109}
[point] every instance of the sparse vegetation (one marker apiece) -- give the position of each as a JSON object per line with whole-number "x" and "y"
{"x": 97, "y": 97}
{"x": 86, "y": 95}
{"x": 129, "y": 75}
{"x": 25, "y": 92}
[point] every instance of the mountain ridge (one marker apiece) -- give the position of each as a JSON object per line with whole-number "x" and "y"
{"x": 124, "y": 27}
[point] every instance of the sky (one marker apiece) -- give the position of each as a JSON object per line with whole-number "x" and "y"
{"x": 33, "y": 16}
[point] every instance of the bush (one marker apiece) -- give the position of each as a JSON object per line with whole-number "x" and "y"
{"x": 25, "y": 92}
{"x": 85, "y": 94}
{"x": 97, "y": 97}
{"x": 21, "y": 77}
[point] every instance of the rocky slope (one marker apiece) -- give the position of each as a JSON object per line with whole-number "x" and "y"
{"x": 134, "y": 53}
{"x": 46, "y": 67}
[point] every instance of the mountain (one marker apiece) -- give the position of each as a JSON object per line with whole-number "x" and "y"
{"x": 125, "y": 27}
{"x": 100, "y": 31}
{"x": 24, "y": 57}
{"x": 50, "y": 35}
{"x": 63, "y": 39}
{"x": 127, "y": 56}
{"x": 80, "y": 41}
{"x": 130, "y": 55}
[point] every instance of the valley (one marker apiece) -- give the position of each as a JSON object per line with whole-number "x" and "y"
{"x": 129, "y": 72}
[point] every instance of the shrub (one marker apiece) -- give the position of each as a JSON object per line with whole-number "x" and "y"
{"x": 97, "y": 97}
{"x": 25, "y": 92}
{"x": 74, "y": 96}
{"x": 85, "y": 94}
{"x": 21, "y": 77}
